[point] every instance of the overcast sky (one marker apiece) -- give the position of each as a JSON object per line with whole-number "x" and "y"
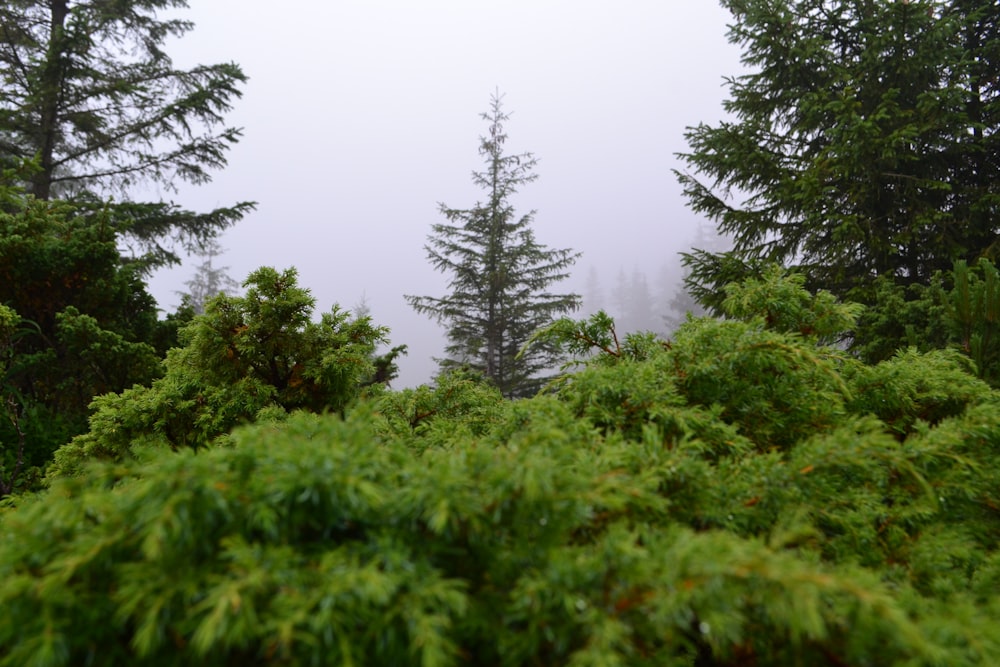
{"x": 360, "y": 116}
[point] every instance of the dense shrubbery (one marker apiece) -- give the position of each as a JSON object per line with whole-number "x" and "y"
{"x": 247, "y": 357}
{"x": 959, "y": 309}
{"x": 84, "y": 324}
{"x": 741, "y": 495}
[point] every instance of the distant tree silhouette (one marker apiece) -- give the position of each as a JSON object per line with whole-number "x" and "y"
{"x": 209, "y": 281}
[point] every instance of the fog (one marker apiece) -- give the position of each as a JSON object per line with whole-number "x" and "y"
{"x": 361, "y": 116}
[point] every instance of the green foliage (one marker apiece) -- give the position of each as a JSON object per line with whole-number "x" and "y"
{"x": 858, "y": 143}
{"x": 959, "y": 309}
{"x": 775, "y": 387}
{"x": 741, "y": 495}
{"x": 89, "y": 93}
{"x": 11, "y": 452}
{"x": 973, "y": 309}
{"x": 913, "y": 386}
{"x": 544, "y": 542}
{"x": 901, "y": 317}
{"x": 595, "y": 335}
{"x": 459, "y": 404}
{"x": 246, "y": 354}
{"x": 51, "y": 257}
{"x": 88, "y": 324}
{"x": 500, "y": 276}
{"x": 782, "y": 303}
{"x": 765, "y": 372}
{"x": 90, "y": 361}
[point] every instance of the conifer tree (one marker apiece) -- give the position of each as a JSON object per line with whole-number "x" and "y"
{"x": 89, "y": 94}
{"x": 209, "y": 280}
{"x": 620, "y": 300}
{"x": 500, "y": 275}
{"x": 862, "y": 142}
{"x": 84, "y": 322}
{"x": 593, "y": 292}
{"x": 642, "y": 306}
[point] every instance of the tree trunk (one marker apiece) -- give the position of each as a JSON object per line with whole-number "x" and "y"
{"x": 52, "y": 86}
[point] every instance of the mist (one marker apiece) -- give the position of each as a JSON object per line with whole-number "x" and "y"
{"x": 361, "y": 116}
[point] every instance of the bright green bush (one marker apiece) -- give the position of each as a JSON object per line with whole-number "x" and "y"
{"x": 247, "y": 355}
{"x": 311, "y": 542}
{"x": 634, "y": 515}
{"x": 458, "y": 405}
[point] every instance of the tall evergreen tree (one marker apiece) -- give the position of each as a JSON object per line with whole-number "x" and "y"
{"x": 621, "y": 301}
{"x": 90, "y": 95}
{"x": 863, "y": 141}
{"x": 593, "y": 292}
{"x": 500, "y": 275}
{"x": 642, "y": 312}
{"x": 209, "y": 280}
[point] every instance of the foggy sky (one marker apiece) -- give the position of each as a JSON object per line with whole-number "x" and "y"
{"x": 360, "y": 116}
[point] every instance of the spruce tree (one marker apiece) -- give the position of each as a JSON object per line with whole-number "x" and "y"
{"x": 862, "y": 142}
{"x": 500, "y": 275}
{"x": 209, "y": 280}
{"x": 621, "y": 299}
{"x": 593, "y": 292}
{"x": 91, "y": 97}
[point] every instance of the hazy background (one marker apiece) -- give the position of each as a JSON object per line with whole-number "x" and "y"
{"x": 361, "y": 115}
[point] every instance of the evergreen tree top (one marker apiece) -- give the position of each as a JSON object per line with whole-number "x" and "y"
{"x": 500, "y": 276}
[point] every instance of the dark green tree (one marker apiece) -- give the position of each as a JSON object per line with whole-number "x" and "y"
{"x": 862, "y": 142}
{"x": 86, "y": 324}
{"x": 90, "y": 95}
{"x": 500, "y": 275}
{"x": 959, "y": 309}
{"x": 13, "y": 440}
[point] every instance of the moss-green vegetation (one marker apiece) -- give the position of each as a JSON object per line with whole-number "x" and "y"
{"x": 739, "y": 495}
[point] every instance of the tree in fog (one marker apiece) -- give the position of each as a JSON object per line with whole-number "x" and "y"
{"x": 620, "y": 298}
{"x": 500, "y": 275}
{"x": 209, "y": 280}
{"x": 641, "y": 315}
{"x": 593, "y": 293}
{"x": 90, "y": 98}
{"x": 633, "y": 305}
{"x": 689, "y": 295}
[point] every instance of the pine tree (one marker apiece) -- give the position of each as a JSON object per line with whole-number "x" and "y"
{"x": 89, "y": 95}
{"x": 862, "y": 143}
{"x": 209, "y": 281}
{"x": 593, "y": 293}
{"x": 642, "y": 311}
{"x": 621, "y": 302}
{"x": 500, "y": 275}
